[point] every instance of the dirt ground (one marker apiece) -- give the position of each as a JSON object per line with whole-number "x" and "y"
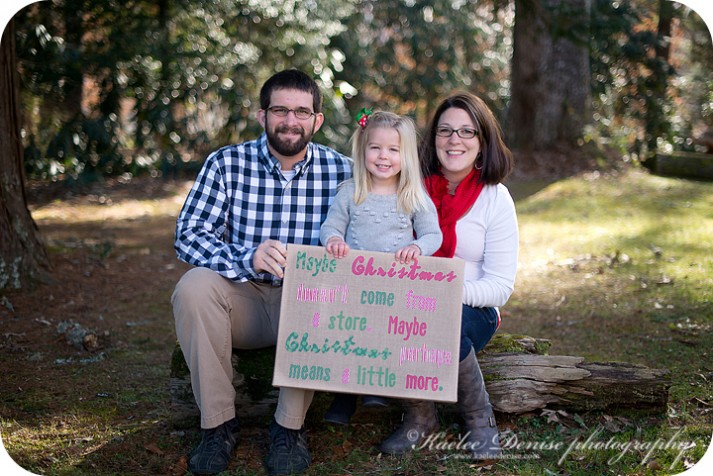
{"x": 112, "y": 279}
{"x": 102, "y": 406}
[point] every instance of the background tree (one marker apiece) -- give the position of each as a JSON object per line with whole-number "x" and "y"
{"x": 111, "y": 88}
{"x": 23, "y": 259}
{"x": 657, "y": 124}
{"x": 407, "y": 55}
{"x": 137, "y": 86}
{"x": 692, "y": 118}
{"x": 161, "y": 82}
{"x": 650, "y": 77}
{"x": 550, "y": 95}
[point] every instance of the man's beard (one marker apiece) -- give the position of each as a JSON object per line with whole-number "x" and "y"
{"x": 287, "y": 148}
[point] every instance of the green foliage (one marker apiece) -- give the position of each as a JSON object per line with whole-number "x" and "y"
{"x": 405, "y": 55}
{"x": 644, "y": 102}
{"x": 120, "y": 87}
{"x": 110, "y": 87}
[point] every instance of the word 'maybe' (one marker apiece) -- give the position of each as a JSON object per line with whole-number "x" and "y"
{"x": 322, "y": 264}
{"x": 397, "y": 326}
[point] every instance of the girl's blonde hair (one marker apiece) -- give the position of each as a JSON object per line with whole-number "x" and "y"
{"x": 411, "y": 195}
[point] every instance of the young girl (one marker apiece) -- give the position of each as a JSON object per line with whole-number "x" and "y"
{"x": 384, "y": 207}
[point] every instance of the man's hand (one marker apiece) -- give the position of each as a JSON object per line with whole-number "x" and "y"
{"x": 337, "y": 247}
{"x": 270, "y": 257}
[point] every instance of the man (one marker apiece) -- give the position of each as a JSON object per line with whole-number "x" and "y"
{"x": 248, "y": 202}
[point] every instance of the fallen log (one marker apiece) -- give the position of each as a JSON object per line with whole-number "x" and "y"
{"x": 519, "y": 383}
{"x": 519, "y": 377}
{"x": 682, "y": 164}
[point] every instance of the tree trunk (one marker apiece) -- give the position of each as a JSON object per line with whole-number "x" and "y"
{"x": 551, "y": 95}
{"x": 167, "y": 125}
{"x": 23, "y": 259}
{"x": 657, "y": 124}
{"x": 72, "y": 16}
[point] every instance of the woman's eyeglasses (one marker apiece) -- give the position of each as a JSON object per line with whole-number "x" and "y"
{"x": 463, "y": 132}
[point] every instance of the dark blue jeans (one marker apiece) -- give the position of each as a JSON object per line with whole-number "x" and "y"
{"x": 478, "y": 325}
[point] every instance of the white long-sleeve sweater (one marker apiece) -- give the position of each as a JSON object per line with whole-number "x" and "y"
{"x": 488, "y": 242}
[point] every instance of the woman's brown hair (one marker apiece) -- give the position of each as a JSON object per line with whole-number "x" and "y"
{"x": 495, "y": 159}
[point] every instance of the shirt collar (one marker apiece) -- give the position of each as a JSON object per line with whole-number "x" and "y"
{"x": 271, "y": 163}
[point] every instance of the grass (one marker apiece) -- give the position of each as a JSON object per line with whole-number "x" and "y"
{"x": 612, "y": 268}
{"x": 620, "y": 268}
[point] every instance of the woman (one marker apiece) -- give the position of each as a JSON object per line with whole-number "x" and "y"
{"x": 465, "y": 160}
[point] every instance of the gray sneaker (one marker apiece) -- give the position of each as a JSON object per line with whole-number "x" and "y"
{"x": 288, "y": 453}
{"x": 213, "y": 453}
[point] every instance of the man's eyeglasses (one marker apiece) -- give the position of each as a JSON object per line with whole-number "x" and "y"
{"x": 463, "y": 132}
{"x": 300, "y": 112}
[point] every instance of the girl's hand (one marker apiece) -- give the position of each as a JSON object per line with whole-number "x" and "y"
{"x": 337, "y": 247}
{"x": 407, "y": 253}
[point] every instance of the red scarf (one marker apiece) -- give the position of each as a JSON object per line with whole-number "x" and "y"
{"x": 452, "y": 207}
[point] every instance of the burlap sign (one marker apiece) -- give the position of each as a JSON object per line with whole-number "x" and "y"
{"x": 370, "y": 325}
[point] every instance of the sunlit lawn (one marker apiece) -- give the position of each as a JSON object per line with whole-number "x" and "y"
{"x": 626, "y": 259}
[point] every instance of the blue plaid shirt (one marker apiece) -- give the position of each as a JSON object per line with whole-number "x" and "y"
{"x": 241, "y": 199}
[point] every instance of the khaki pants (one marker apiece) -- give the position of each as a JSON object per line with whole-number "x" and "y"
{"x": 214, "y": 315}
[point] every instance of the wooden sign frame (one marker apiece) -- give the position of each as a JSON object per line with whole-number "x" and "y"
{"x": 367, "y": 324}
